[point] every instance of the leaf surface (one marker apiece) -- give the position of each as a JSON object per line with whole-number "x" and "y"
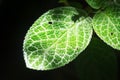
{"x": 56, "y": 38}
{"x": 107, "y": 26}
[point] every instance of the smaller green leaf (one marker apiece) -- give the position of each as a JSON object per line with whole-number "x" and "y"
{"x": 96, "y": 4}
{"x": 107, "y": 26}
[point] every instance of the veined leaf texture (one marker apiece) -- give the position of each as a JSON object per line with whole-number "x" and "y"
{"x": 56, "y": 38}
{"x": 107, "y": 26}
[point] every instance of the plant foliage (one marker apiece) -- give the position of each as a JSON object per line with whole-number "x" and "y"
{"x": 61, "y": 34}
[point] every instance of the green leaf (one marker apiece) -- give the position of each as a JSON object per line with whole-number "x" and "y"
{"x": 96, "y": 4}
{"x": 97, "y": 62}
{"x": 107, "y": 26}
{"x": 56, "y": 38}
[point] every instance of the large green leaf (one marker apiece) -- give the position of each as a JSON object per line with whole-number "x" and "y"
{"x": 56, "y": 38}
{"x": 96, "y": 4}
{"x": 107, "y": 26}
{"x": 97, "y": 62}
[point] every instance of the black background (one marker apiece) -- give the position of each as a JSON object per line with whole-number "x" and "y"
{"x": 16, "y": 18}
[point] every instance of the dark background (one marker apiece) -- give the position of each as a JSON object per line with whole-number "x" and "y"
{"x": 16, "y": 18}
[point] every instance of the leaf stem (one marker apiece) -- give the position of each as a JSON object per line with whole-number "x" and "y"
{"x": 65, "y": 2}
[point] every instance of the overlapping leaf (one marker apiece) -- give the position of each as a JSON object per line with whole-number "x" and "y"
{"x": 107, "y": 26}
{"x": 56, "y": 38}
